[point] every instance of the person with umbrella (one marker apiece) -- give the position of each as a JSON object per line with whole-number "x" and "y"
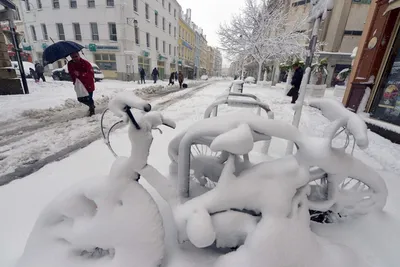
{"x": 81, "y": 69}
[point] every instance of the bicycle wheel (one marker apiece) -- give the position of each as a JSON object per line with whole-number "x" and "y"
{"x": 361, "y": 192}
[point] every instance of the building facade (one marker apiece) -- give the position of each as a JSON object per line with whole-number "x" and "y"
{"x": 186, "y": 45}
{"x": 339, "y": 33}
{"x": 217, "y": 66}
{"x": 119, "y": 36}
{"x": 376, "y": 70}
{"x": 9, "y": 85}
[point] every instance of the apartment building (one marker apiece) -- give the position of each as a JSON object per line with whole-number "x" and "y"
{"x": 186, "y": 45}
{"x": 340, "y": 32}
{"x": 217, "y": 66}
{"x": 119, "y": 36}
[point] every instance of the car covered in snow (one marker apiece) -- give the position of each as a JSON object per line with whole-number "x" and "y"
{"x": 62, "y": 74}
{"x": 204, "y": 77}
{"x": 27, "y": 66}
{"x": 250, "y": 80}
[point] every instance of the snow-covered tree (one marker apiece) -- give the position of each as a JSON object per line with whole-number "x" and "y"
{"x": 263, "y": 31}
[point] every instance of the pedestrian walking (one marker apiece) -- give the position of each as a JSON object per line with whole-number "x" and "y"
{"x": 142, "y": 75}
{"x": 171, "y": 78}
{"x": 176, "y": 76}
{"x": 155, "y": 75}
{"x": 81, "y": 69}
{"x": 296, "y": 82}
{"x": 39, "y": 69}
{"x": 180, "y": 79}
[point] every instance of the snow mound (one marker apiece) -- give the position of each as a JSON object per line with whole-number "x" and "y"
{"x": 282, "y": 242}
{"x": 237, "y": 141}
{"x": 110, "y": 221}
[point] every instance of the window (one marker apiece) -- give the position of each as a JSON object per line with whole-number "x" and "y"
{"x": 174, "y": 51}
{"x": 146, "y": 10}
{"x": 169, "y": 49}
{"x": 170, "y": 29}
{"x": 148, "y": 39}
{"x": 44, "y": 31}
{"x": 39, "y": 4}
{"x": 91, "y": 3}
{"x": 163, "y": 47}
{"x": 157, "y": 43}
{"x": 137, "y": 41}
{"x": 56, "y": 4}
{"x": 156, "y": 19}
{"x": 144, "y": 63}
{"x": 27, "y": 5}
{"x": 105, "y": 61}
{"x": 77, "y": 31}
{"x": 110, "y": 3}
{"x": 60, "y": 31}
{"x": 169, "y": 8}
{"x": 73, "y": 4}
{"x": 174, "y": 13}
{"x": 356, "y": 33}
{"x": 112, "y": 28}
{"x": 95, "y": 31}
{"x": 163, "y": 3}
{"x": 33, "y": 31}
{"x": 362, "y": 2}
{"x": 135, "y": 5}
{"x": 163, "y": 24}
{"x": 175, "y": 32}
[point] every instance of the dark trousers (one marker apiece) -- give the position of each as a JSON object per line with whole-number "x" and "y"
{"x": 41, "y": 76}
{"x": 180, "y": 84}
{"x": 142, "y": 80}
{"x": 295, "y": 95}
{"x": 87, "y": 100}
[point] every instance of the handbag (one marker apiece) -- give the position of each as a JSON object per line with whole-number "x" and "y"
{"x": 80, "y": 89}
{"x": 291, "y": 91}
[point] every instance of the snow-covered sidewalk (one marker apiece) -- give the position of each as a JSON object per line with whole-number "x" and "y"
{"x": 374, "y": 237}
{"x": 42, "y": 131}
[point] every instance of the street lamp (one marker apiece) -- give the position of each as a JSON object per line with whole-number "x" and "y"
{"x": 318, "y": 10}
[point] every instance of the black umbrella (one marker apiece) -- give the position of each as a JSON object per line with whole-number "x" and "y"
{"x": 60, "y": 50}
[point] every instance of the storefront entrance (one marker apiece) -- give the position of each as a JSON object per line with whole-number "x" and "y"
{"x": 161, "y": 69}
{"x": 386, "y": 105}
{"x": 144, "y": 62}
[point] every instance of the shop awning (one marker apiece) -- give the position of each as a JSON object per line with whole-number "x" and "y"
{"x": 393, "y": 4}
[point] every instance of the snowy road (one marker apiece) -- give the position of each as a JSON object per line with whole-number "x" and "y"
{"x": 39, "y": 137}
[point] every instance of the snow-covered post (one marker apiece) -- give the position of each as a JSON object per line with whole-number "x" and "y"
{"x": 317, "y": 12}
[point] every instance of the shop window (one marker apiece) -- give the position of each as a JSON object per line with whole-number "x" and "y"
{"x": 106, "y": 61}
{"x": 386, "y": 105}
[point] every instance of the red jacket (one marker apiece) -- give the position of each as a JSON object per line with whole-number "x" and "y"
{"x": 83, "y": 71}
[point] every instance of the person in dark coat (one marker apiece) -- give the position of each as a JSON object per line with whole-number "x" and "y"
{"x": 39, "y": 71}
{"x": 142, "y": 75}
{"x": 155, "y": 75}
{"x": 81, "y": 69}
{"x": 171, "y": 78}
{"x": 180, "y": 79}
{"x": 296, "y": 82}
{"x": 176, "y": 75}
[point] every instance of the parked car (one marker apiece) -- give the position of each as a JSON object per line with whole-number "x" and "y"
{"x": 62, "y": 74}
{"x": 204, "y": 77}
{"x": 27, "y": 66}
{"x": 250, "y": 80}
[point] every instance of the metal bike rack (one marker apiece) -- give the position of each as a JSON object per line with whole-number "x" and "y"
{"x": 254, "y": 101}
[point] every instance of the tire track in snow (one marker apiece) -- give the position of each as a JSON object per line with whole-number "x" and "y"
{"x": 26, "y": 168}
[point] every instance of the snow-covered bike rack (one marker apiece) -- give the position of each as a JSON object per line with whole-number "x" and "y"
{"x": 236, "y": 99}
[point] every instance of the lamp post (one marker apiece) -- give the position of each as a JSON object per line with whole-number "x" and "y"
{"x": 317, "y": 11}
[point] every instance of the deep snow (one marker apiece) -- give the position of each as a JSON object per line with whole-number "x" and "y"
{"x": 374, "y": 237}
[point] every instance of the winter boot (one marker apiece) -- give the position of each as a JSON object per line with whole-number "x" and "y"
{"x": 91, "y": 111}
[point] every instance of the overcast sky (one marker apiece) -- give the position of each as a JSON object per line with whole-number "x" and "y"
{"x": 209, "y": 14}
